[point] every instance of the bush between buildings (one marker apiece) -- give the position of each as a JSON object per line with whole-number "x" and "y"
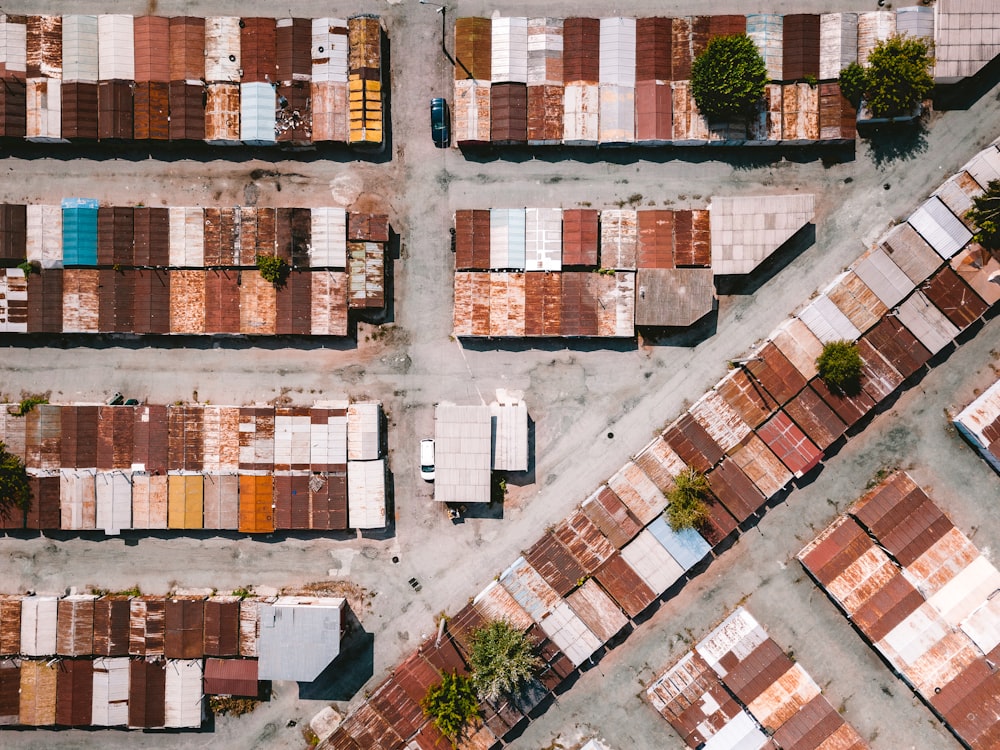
{"x": 686, "y": 507}
{"x": 224, "y": 705}
{"x": 985, "y": 214}
{"x": 502, "y": 660}
{"x": 839, "y": 366}
{"x": 15, "y": 491}
{"x": 452, "y": 705}
{"x": 896, "y": 79}
{"x": 728, "y": 78}
{"x": 272, "y": 269}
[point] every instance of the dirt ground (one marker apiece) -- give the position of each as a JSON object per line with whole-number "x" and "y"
{"x": 577, "y": 392}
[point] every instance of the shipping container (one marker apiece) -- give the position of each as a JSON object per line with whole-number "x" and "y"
{"x": 800, "y": 46}
{"x": 37, "y": 693}
{"x": 838, "y": 43}
{"x": 116, "y": 50}
{"x": 222, "y": 49}
{"x": 790, "y": 444}
{"x": 74, "y": 692}
{"x": 545, "y": 114}
{"x": 653, "y": 111}
{"x": 473, "y": 49}
{"x": 581, "y": 111}
{"x": 183, "y": 704}
{"x": 471, "y": 114}
{"x": 151, "y": 111}
{"x": 146, "y": 695}
{"x": 508, "y": 113}
{"x": 509, "y": 50}
{"x": 111, "y": 625}
{"x": 43, "y": 109}
{"x": 257, "y": 113}
{"x": 292, "y": 39}
{"x": 874, "y": 27}
{"x": 152, "y": 49}
{"x": 187, "y": 110}
{"x": 767, "y": 32}
{"x": 79, "y": 50}
{"x": 926, "y": 322}
{"x": 147, "y": 615}
{"x": 222, "y": 113}
{"x": 256, "y": 501}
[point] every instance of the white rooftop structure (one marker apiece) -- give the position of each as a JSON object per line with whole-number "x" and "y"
{"x": 746, "y": 230}
{"x": 463, "y": 452}
{"x": 299, "y": 637}
{"x": 509, "y": 420}
{"x": 966, "y": 37}
{"x": 979, "y": 423}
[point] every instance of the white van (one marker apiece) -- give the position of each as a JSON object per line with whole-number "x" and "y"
{"x": 427, "y": 459}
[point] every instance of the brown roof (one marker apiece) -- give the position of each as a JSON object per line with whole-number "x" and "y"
{"x": 231, "y": 677}
{"x": 735, "y": 490}
{"x": 147, "y": 693}
{"x": 625, "y": 585}
{"x": 222, "y": 627}
{"x": 776, "y": 373}
{"x": 816, "y": 419}
{"x": 584, "y": 541}
{"x": 606, "y": 511}
{"x": 692, "y": 443}
{"x": 74, "y": 692}
{"x": 554, "y": 564}
{"x": 111, "y": 626}
{"x": 580, "y": 237}
{"x": 952, "y": 296}
{"x": 900, "y": 347}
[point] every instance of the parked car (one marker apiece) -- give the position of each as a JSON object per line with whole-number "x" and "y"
{"x": 427, "y": 459}
{"x": 440, "y": 123}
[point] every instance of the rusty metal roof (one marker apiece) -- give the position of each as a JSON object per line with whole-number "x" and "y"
{"x": 735, "y": 490}
{"x": 746, "y": 396}
{"x": 606, "y": 511}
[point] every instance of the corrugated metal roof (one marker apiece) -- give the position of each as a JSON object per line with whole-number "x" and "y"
{"x": 584, "y": 540}
{"x": 183, "y": 705}
{"x": 790, "y": 444}
{"x": 495, "y": 603}
{"x": 883, "y": 277}
{"x": 638, "y": 492}
{"x": 735, "y": 490}
{"x": 530, "y": 589}
{"x": 509, "y": 50}
{"x": 606, "y": 510}
{"x": 366, "y": 494}
{"x": 543, "y": 239}
{"x": 954, "y": 298}
{"x": 509, "y": 425}
{"x": 619, "y": 239}
{"x": 652, "y": 562}
{"x": 692, "y": 443}
{"x": 747, "y": 230}
{"x": 507, "y": 238}
{"x": 910, "y": 252}
{"x": 462, "y": 453}
{"x": 80, "y": 52}
{"x": 38, "y": 625}
{"x": 116, "y": 57}
{"x": 581, "y": 113}
{"x": 926, "y": 322}
{"x": 940, "y": 227}
{"x": 856, "y": 300}
{"x": 299, "y": 637}
{"x": 874, "y": 27}
{"x": 231, "y": 677}
{"x": 328, "y": 245}
{"x": 111, "y": 692}
{"x": 257, "y": 113}
{"x": 616, "y": 117}
{"x": 765, "y": 29}
{"x": 827, "y": 321}
{"x": 555, "y": 564}
{"x": 597, "y": 610}
{"x": 673, "y": 297}
{"x": 978, "y": 269}
{"x": 815, "y": 418}
{"x": 567, "y": 631}
{"x": 687, "y": 546}
{"x": 722, "y": 422}
{"x": 978, "y": 422}
{"x": 625, "y": 585}
{"x": 957, "y": 22}
{"x": 762, "y": 467}
{"x": 364, "y": 430}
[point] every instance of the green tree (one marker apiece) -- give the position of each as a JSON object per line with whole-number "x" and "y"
{"x": 15, "y": 492}
{"x": 840, "y": 365}
{"x": 985, "y": 214}
{"x": 273, "y": 269}
{"x": 728, "y": 78}
{"x": 897, "y": 78}
{"x": 687, "y": 507}
{"x": 502, "y": 660}
{"x": 853, "y": 83}
{"x": 451, "y": 704}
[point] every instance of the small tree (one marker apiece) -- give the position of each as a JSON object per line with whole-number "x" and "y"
{"x": 502, "y": 660}
{"x": 728, "y": 78}
{"x": 687, "y": 507}
{"x": 451, "y": 704}
{"x": 853, "y": 82}
{"x": 985, "y": 214}
{"x": 272, "y": 268}
{"x": 840, "y": 365}
{"x": 15, "y": 492}
{"x": 896, "y": 80}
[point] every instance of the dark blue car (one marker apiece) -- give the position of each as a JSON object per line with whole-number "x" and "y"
{"x": 440, "y": 123}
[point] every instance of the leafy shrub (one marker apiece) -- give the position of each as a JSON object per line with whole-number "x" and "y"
{"x": 502, "y": 660}
{"x": 223, "y": 705}
{"x": 15, "y": 491}
{"x": 728, "y": 78}
{"x": 840, "y": 365}
{"x": 896, "y": 80}
{"x": 853, "y": 83}
{"x": 451, "y": 704}
{"x": 687, "y": 508}
{"x": 985, "y": 214}
{"x": 272, "y": 269}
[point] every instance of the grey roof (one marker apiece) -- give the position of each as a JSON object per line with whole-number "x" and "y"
{"x": 673, "y": 296}
{"x": 748, "y": 229}
{"x": 299, "y": 637}
{"x": 463, "y": 449}
{"x": 510, "y": 436}
{"x": 966, "y": 37}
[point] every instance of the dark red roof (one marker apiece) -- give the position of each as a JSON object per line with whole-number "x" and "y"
{"x": 231, "y": 677}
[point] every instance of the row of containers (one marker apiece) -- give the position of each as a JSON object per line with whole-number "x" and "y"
{"x": 79, "y": 232}
{"x": 127, "y": 661}
{"x": 248, "y": 469}
{"x": 765, "y": 423}
{"x": 222, "y": 79}
{"x": 107, "y": 269}
{"x": 589, "y": 81}
{"x": 919, "y": 592}
{"x": 584, "y": 272}
{"x": 739, "y": 686}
